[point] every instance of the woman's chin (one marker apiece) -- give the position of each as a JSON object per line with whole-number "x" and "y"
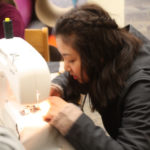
{"x": 80, "y": 81}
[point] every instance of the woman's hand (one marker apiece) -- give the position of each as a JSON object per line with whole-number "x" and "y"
{"x": 54, "y": 91}
{"x": 56, "y": 105}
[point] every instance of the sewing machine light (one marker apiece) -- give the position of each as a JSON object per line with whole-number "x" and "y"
{"x": 45, "y": 107}
{"x": 33, "y": 117}
{"x": 42, "y": 107}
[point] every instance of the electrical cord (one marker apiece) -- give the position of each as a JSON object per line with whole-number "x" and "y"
{"x": 84, "y": 100}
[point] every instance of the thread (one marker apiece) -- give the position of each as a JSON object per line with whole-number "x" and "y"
{"x": 8, "y": 28}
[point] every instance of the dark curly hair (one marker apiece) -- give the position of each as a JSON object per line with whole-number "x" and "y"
{"x": 106, "y": 50}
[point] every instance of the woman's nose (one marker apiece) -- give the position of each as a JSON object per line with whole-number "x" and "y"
{"x": 66, "y": 67}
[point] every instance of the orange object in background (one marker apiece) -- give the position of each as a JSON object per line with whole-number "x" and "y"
{"x": 52, "y": 40}
{"x": 38, "y": 38}
{"x": 54, "y": 53}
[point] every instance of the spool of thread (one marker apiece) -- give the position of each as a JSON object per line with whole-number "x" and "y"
{"x": 8, "y": 28}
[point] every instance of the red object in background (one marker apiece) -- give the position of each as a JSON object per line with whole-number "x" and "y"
{"x": 25, "y": 8}
{"x": 9, "y": 11}
{"x": 52, "y": 40}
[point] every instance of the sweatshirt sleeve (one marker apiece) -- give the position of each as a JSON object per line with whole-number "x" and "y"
{"x": 134, "y": 132}
{"x": 61, "y": 80}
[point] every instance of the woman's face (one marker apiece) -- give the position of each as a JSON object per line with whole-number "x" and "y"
{"x": 72, "y": 60}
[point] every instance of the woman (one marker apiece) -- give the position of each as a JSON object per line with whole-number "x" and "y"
{"x": 112, "y": 65}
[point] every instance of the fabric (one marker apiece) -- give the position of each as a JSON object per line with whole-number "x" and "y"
{"x": 8, "y": 141}
{"x": 127, "y": 120}
{"x": 7, "y": 10}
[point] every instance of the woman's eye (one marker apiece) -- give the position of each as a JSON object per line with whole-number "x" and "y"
{"x": 71, "y": 61}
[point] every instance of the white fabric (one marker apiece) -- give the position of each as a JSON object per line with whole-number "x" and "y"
{"x": 8, "y": 141}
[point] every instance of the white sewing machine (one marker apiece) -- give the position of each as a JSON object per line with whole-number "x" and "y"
{"x": 24, "y": 83}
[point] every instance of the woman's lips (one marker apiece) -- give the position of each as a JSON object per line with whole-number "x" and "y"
{"x": 75, "y": 77}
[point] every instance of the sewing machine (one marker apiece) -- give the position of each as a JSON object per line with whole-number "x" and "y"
{"x": 24, "y": 84}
